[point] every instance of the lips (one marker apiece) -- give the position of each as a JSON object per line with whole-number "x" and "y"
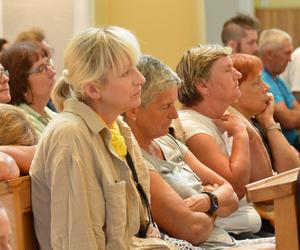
{"x": 137, "y": 93}
{"x": 4, "y": 90}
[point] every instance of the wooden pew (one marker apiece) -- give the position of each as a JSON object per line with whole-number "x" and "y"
{"x": 15, "y": 195}
{"x": 282, "y": 189}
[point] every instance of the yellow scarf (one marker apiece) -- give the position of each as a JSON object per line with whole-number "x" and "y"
{"x": 118, "y": 141}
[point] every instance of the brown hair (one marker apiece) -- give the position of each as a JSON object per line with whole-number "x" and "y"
{"x": 234, "y": 28}
{"x": 18, "y": 60}
{"x": 35, "y": 34}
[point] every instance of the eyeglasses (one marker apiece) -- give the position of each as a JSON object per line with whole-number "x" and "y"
{"x": 3, "y": 72}
{"x": 42, "y": 68}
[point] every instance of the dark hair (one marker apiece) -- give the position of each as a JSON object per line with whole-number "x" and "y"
{"x": 234, "y": 28}
{"x": 18, "y": 60}
{"x": 2, "y": 42}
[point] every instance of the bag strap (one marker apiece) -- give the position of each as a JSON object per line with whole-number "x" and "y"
{"x": 140, "y": 188}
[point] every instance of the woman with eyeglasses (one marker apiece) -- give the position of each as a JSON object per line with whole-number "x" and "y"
{"x": 31, "y": 80}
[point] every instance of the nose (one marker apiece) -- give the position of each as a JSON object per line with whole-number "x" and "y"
{"x": 51, "y": 70}
{"x": 237, "y": 74}
{"x": 255, "y": 49}
{"x": 173, "y": 112}
{"x": 4, "y": 78}
{"x": 265, "y": 86}
{"x": 140, "y": 79}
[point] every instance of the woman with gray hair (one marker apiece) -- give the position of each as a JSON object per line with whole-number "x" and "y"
{"x": 186, "y": 196}
{"x": 90, "y": 185}
{"x": 221, "y": 141}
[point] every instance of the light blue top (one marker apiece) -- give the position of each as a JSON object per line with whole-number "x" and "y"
{"x": 281, "y": 94}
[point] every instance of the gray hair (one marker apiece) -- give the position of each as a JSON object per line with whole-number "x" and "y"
{"x": 195, "y": 65}
{"x": 272, "y": 39}
{"x": 158, "y": 77}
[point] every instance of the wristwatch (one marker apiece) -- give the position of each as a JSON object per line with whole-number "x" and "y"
{"x": 214, "y": 204}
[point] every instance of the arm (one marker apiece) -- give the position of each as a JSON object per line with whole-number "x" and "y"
{"x": 283, "y": 154}
{"x": 8, "y": 167}
{"x": 23, "y": 155}
{"x": 260, "y": 161}
{"x": 172, "y": 215}
{"x": 235, "y": 168}
{"x": 228, "y": 201}
{"x": 288, "y": 118}
{"x": 297, "y": 95}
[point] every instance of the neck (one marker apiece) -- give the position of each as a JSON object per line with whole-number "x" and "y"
{"x": 107, "y": 114}
{"x": 38, "y": 107}
{"x": 37, "y": 104}
{"x": 243, "y": 112}
{"x": 269, "y": 69}
{"x": 210, "y": 108}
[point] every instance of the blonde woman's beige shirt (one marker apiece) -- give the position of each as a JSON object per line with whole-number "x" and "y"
{"x": 83, "y": 194}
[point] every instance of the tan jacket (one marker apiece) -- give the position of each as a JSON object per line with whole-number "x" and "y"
{"x": 83, "y": 194}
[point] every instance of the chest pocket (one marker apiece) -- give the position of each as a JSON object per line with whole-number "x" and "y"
{"x": 116, "y": 215}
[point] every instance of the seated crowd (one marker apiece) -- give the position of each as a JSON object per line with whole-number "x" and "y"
{"x": 138, "y": 172}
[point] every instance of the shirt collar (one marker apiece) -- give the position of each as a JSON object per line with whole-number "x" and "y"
{"x": 87, "y": 114}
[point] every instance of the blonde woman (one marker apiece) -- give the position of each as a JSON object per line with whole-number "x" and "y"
{"x": 16, "y": 133}
{"x": 219, "y": 140}
{"x": 87, "y": 164}
{"x": 15, "y": 128}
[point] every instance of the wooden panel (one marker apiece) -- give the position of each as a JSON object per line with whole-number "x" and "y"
{"x": 286, "y": 223}
{"x": 16, "y": 196}
{"x": 282, "y": 189}
{"x": 287, "y": 19}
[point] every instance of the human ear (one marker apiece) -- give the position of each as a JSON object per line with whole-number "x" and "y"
{"x": 201, "y": 86}
{"x": 232, "y": 44}
{"x": 91, "y": 90}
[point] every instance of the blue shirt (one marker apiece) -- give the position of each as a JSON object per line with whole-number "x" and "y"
{"x": 281, "y": 94}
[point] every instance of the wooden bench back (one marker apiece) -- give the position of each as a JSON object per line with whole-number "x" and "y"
{"x": 16, "y": 197}
{"x": 282, "y": 189}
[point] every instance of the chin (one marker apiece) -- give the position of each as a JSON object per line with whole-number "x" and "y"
{"x": 5, "y": 99}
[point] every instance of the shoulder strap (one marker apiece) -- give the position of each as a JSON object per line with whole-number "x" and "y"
{"x": 140, "y": 188}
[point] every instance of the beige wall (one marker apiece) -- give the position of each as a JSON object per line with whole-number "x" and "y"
{"x": 276, "y": 3}
{"x": 55, "y": 17}
{"x": 165, "y": 28}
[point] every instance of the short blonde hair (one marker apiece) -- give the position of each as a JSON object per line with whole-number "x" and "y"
{"x": 195, "y": 65}
{"x": 15, "y": 128}
{"x": 272, "y": 39}
{"x": 89, "y": 56}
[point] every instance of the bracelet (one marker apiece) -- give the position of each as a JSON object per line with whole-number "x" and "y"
{"x": 273, "y": 127}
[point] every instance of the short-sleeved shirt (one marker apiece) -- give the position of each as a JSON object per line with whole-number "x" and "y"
{"x": 281, "y": 93}
{"x": 291, "y": 75}
{"x": 195, "y": 123}
{"x": 174, "y": 170}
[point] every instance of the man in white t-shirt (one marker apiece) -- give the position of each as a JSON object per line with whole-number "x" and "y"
{"x": 291, "y": 75}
